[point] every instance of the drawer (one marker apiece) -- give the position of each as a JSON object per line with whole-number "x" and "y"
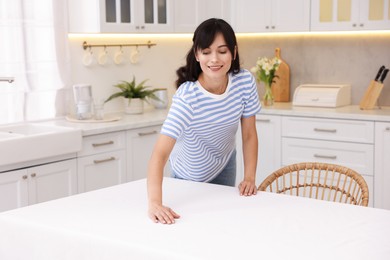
{"x": 101, "y": 143}
{"x": 359, "y": 157}
{"x": 328, "y": 129}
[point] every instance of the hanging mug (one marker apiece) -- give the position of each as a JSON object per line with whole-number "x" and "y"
{"x": 103, "y": 57}
{"x": 88, "y": 57}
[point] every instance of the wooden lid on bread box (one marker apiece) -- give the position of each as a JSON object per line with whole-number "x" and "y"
{"x": 320, "y": 95}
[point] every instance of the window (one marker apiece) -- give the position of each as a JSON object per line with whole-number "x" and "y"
{"x": 35, "y": 54}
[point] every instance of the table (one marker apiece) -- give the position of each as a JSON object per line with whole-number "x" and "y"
{"x": 215, "y": 223}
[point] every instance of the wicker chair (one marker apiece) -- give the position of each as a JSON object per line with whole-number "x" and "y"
{"x": 319, "y": 181}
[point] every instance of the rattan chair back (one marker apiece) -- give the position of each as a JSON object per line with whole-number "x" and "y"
{"x": 319, "y": 181}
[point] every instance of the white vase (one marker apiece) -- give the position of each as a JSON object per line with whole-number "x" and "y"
{"x": 134, "y": 106}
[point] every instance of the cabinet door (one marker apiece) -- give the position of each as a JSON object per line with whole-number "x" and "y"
{"x": 269, "y": 135}
{"x": 290, "y": 16}
{"x": 117, "y": 15}
{"x": 140, "y": 144}
{"x": 190, "y": 13}
{"x": 101, "y": 170}
{"x": 52, "y": 181}
{"x": 382, "y": 165}
{"x": 251, "y": 16}
{"x": 374, "y": 14}
{"x": 13, "y": 190}
{"x": 154, "y": 16}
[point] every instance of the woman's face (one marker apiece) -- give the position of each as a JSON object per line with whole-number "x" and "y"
{"x": 215, "y": 61}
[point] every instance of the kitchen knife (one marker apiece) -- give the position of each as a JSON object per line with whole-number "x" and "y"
{"x": 384, "y": 73}
{"x": 379, "y": 72}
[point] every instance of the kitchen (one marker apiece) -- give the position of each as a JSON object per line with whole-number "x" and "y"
{"x": 314, "y": 56}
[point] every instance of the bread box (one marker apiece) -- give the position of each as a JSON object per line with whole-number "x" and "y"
{"x": 319, "y": 95}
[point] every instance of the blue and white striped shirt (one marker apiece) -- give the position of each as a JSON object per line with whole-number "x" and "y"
{"x": 205, "y": 125}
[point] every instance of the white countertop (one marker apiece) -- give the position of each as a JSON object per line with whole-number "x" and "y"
{"x": 215, "y": 223}
{"x": 157, "y": 117}
{"x": 126, "y": 122}
{"x": 346, "y": 112}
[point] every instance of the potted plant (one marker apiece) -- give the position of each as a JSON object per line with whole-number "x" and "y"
{"x": 134, "y": 94}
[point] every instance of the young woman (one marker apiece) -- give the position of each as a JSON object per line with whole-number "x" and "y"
{"x": 214, "y": 95}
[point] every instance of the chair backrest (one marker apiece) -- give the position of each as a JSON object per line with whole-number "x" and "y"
{"x": 321, "y": 181}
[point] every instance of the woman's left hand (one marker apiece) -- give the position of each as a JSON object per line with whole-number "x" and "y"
{"x": 247, "y": 188}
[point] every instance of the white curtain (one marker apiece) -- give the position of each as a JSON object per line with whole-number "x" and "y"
{"x": 34, "y": 52}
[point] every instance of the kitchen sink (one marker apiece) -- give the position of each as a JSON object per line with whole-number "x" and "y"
{"x": 29, "y": 141}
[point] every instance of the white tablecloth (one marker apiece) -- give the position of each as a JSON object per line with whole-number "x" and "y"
{"x": 215, "y": 223}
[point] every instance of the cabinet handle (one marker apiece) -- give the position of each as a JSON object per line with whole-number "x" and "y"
{"x": 101, "y": 144}
{"x": 148, "y": 133}
{"x": 24, "y": 177}
{"x": 104, "y": 160}
{"x": 264, "y": 120}
{"x": 361, "y": 25}
{"x": 325, "y": 130}
{"x": 267, "y": 27}
{"x": 387, "y": 128}
{"x": 273, "y": 27}
{"x": 325, "y": 156}
{"x": 33, "y": 175}
{"x": 354, "y": 25}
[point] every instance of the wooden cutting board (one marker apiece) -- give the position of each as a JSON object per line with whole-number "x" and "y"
{"x": 281, "y": 85}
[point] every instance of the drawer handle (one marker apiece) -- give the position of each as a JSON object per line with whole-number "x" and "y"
{"x": 264, "y": 120}
{"x": 325, "y": 156}
{"x": 325, "y": 130}
{"x": 148, "y": 133}
{"x": 387, "y": 128}
{"x": 104, "y": 160}
{"x": 101, "y": 144}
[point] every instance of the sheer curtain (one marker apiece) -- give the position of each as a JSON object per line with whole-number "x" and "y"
{"x": 34, "y": 52}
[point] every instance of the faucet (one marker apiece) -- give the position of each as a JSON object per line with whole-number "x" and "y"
{"x": 9, "y": 79}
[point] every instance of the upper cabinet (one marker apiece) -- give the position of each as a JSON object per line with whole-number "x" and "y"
{"x": 190, "y": 13}
{"x": 347, "y": 15}
{"x": 256, "y": 16}
{"x": 119, "y": 16}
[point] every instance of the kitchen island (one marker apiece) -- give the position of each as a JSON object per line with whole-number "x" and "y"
{"x": 215, "y": 223}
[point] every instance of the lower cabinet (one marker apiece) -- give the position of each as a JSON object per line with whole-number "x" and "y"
{"x": 382, "y": 165}
{"x": 37, "y": 184}
{"x": 140, "y": 144}
{"x": 269, "y": 136}
{"x": 102, "y": 161}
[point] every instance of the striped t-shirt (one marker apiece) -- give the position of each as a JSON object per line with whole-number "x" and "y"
{"x": 205, "y": 125}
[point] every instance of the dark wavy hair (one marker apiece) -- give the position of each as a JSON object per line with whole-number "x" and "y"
{"x": 203, "y": 37}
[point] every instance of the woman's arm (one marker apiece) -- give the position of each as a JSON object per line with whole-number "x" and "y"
{"x": 249, "y": 146}
{"x": 157, "y": 211}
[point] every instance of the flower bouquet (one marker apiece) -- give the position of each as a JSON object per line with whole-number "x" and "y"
{"x": 265, "y": 71}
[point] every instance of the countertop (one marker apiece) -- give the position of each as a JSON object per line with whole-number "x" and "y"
{"x": 126, "y": 122}
{"x": 346, "y": 112}
{"x": 157, "y": 116}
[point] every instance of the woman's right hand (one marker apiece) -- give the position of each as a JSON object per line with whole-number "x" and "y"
{"x": 162, "y": 214}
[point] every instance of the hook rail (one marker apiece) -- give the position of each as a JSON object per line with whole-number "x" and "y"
{"x": 148, "y": 44}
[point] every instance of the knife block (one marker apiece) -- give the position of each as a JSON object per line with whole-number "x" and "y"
{"x": 371, "y": 95}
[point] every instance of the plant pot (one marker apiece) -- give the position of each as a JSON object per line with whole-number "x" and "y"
{"x": 134, "y": 106}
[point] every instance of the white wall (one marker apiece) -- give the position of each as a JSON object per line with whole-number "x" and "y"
{"x": 313, "y": 58}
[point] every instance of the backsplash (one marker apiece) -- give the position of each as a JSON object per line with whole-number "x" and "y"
{"x": 313, "y": 58}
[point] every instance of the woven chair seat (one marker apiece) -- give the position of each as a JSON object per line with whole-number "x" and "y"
{"x": 321, "y": 181}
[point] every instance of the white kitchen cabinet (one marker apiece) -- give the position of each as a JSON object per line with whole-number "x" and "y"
{"x": 120, "y": 16}
{"x": 140, "y": 144}
{"x": 190, "y": 13}
{"x": 269, "y": 136}
{"x": 37, "y": 184}
{"x": 255, "y": 16}
{"x": 102, "y": 161}
{"x": 342, "y": 15}
{"x": 382, "y": 165}
{"x": 348, "y": 143}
